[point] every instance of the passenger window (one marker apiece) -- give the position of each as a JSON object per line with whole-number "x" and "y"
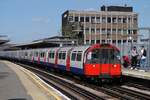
{"x": 36, "y": 54}
{"x": 73, "y": 57}
{"x": 52, "y": 55}
{"x": 49, "y": 54}
{"x": 26, "y": 54}
{"x": 60, "y": 55}
{"x": 63, "y": 55}
{"x": 79, "y": 55}
{"x": 42, "y": 54}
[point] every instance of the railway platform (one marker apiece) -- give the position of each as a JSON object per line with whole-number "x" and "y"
{"x": 16, "y": 83}
{"x": 139, "y": 73}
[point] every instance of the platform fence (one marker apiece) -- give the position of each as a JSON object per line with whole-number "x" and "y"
{"x": 126, "y": 50}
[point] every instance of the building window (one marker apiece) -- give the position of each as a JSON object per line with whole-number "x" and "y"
{"x": 134, "y": 31}
{"x": 92, "y": 19}
{"x": 109, "y": 20}
{"x": 134, "y": 40}
{"x": 124, "y": 31}
{"x": 87, "y": 19}
{"x": 103, "y": 41}
{"x": 119, "y": 20}
{"x": 97, "y": 30}
{"x": 129, "y": 20}
{"x": 135, "y": 20}
{"x": 124, "y": 41}
{"x": 92, "y": 30}
{"x": 119, "y": 31}
{"x": 108, "y": 31}
{"x": 87, "y": 30}
{"x": 87, "y": 41}
{"x": 119, "y": 41}
{"x": 114, "y": 20}
{"x": 103, "y": 19}
{"x": 97, "y": 41}
{"x": 114, "y": 31}
{"x": 70, "y": 18}
{"x": 97, "y": 19}
{"x": 129, "y": 31}
{"x": 103, "y": 31}
{"x": 92, "y": 41}
{"x": 81, "y": 19}
{"x": 76, "y": 19}
{"x": 114, "y": 41}
{"x": 124, "y": 20}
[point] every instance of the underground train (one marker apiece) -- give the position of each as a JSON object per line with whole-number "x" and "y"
{"x": 97, "y": 61}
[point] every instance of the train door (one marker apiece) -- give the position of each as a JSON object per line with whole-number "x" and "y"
{"x": 62, "y": 60}
{"x": 78, "y": 62}
{"x": 51, "y": 55}
{"x": 73, "y": 59}
{"x": 42, "y": 56}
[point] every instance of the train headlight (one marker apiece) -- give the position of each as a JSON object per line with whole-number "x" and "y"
{"x": 93, "y": 65}
{"x": 115, "y": 65}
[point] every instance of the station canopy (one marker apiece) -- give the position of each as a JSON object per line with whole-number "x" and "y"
{"x": 55, "y": 41}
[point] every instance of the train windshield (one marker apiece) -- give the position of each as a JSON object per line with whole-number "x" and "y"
{"x": 103, "y": 56}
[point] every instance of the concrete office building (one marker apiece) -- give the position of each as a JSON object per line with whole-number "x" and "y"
{"x": 113, "y": 24}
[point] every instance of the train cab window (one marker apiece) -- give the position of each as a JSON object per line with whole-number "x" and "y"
{"x": 79, "y": 56}
{"x": 73, "y": 56}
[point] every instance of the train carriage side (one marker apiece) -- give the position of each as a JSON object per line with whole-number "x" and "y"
{"x": 62, "y": 58}
{"x": 42, "y": 56}
{"x": 52, "y": 56}
{"x": 77, "y": 59}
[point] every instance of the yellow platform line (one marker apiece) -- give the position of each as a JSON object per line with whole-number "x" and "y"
{"x": 39, "y": 83}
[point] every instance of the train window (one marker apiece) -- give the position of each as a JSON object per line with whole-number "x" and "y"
{"x": 60, "y": 55}
{"x": 79, "y": 55}
{"x": 26, "y": 53}
{"x": 73, "y": 57}
{"x": 63, "y": 55}
{"x": 53, "y": 55}
{"x": 36, "y": 54}
{"x": 49, "y": 55}
{"x": 42, "y": 54}
{"x": 30, "y": 54}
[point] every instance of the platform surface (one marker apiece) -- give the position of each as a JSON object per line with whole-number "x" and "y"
{"x": 138, "y": 73}
{"x": 11, "y": 87}
{"x": 17, "y": 83}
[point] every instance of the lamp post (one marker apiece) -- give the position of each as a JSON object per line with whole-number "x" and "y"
{"x": 130, "y": 40}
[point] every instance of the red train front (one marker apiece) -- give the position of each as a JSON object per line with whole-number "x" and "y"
{"x": 102, "y": 61}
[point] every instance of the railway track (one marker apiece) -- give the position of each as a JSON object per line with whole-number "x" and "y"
{"x": 68, "y": 88}
{"x": 75, "y": 92}
{"x": 129, "y": 94}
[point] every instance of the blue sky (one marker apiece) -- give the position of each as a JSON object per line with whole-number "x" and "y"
{"x": 27, "y": 20}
